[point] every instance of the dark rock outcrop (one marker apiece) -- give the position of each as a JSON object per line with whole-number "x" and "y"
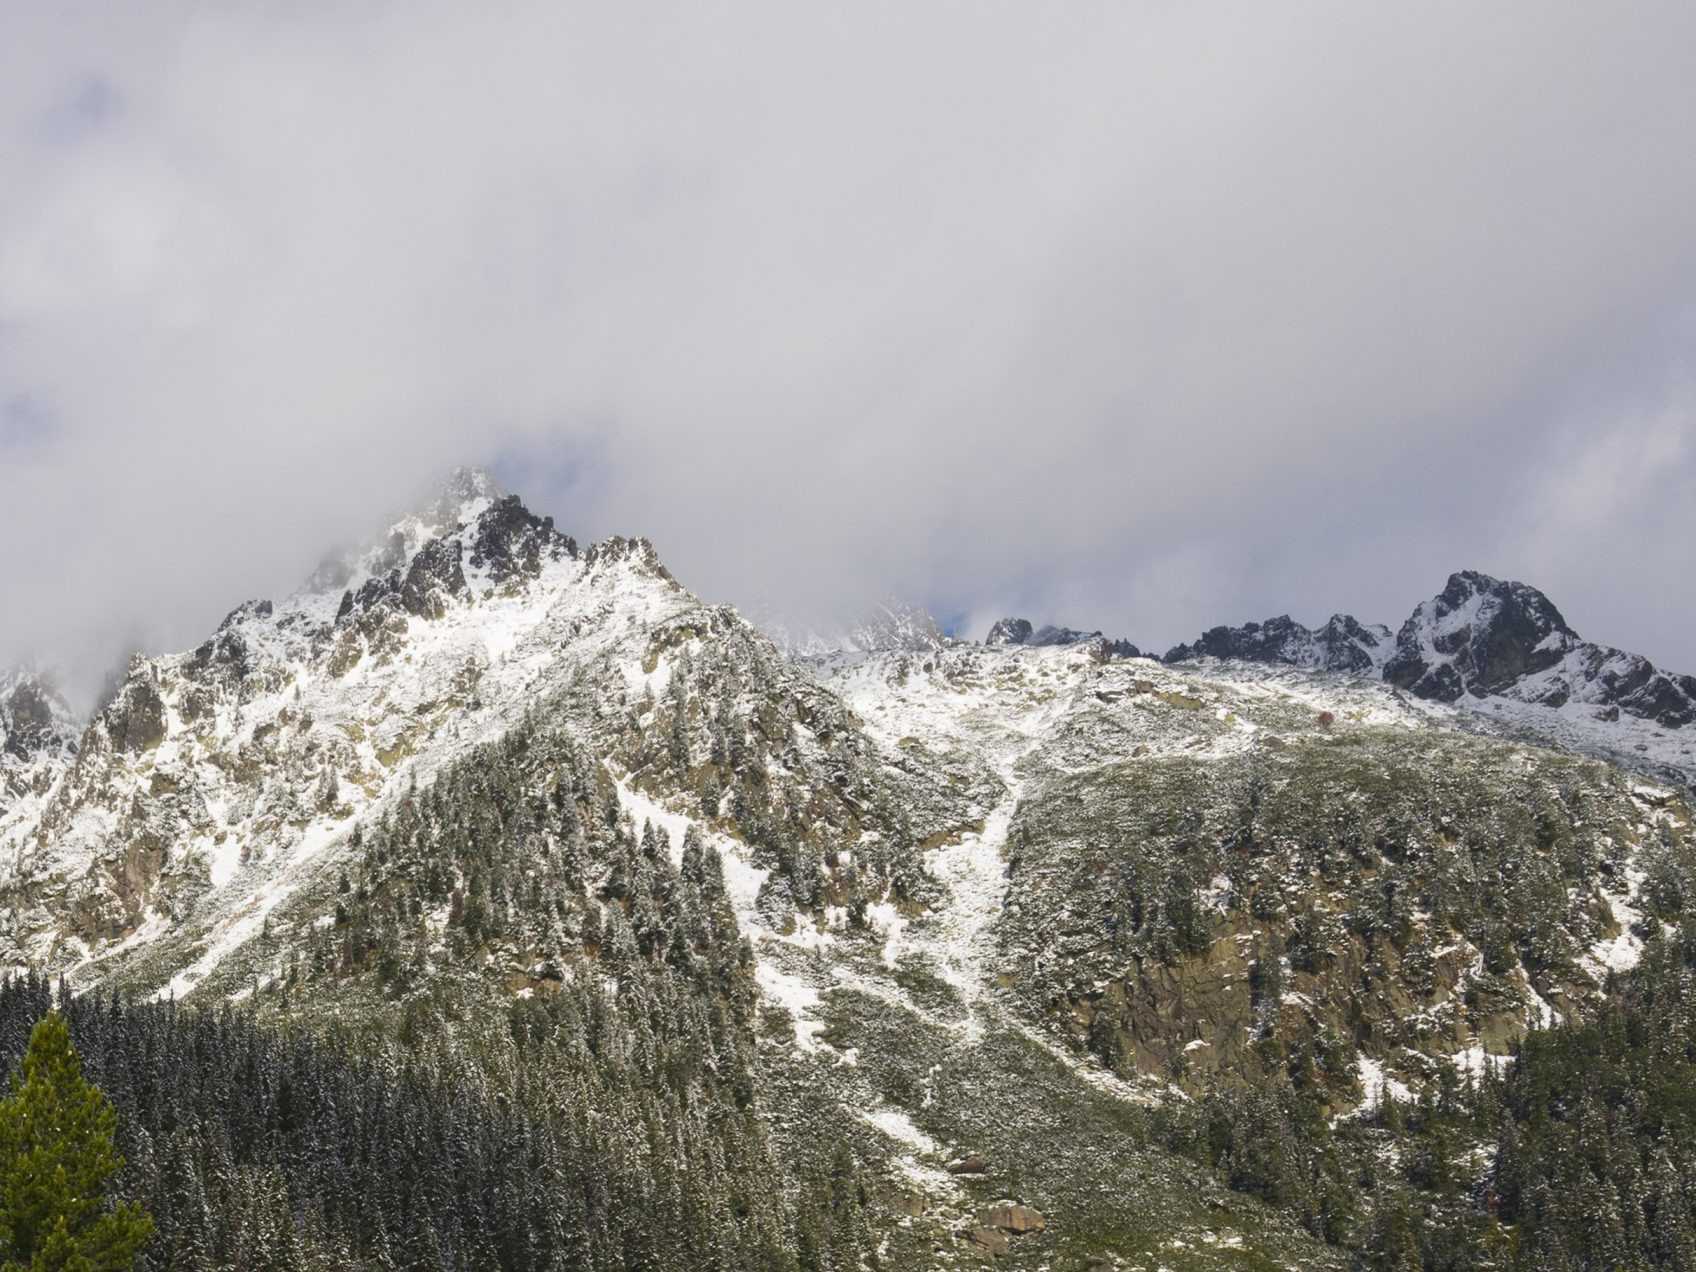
{"x": 1009, "y": 631}
{"x": 620, "y": 548}
{"x": 434, "y": 578}
{"x": 1478, "y": 635}
{"x": 135, "y": 719}
{"x": 1343, "y": 644}
{"x": 1481, "y": 636}
{"x": 512, "y": 542}
{"x": 33, "y": 718}
{"x": 1018, "y": 631}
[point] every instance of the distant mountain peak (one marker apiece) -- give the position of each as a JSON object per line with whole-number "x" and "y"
{"x": 1019, "y": 631}
{"x": 1343, "y": 644}
{"x": 890, "y": 626}
{"x": 34, "y": 717}
{"x": 1483, "y": 637}
{"x": 1479, "y": 635}
{"x": 1009, "y": 631}
{"x": 1482, "y": 641}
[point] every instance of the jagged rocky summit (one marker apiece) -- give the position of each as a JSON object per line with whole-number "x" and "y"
{"x": 1499, "y": 647}
{"x": 954, "y": 894}
{"x": 1343, "y": 644}
{"x": 1019, "y": 631}
{"x": 1482, "y": 636}
{"x": 34, "y": 717}
{"x": 218, "y": 775}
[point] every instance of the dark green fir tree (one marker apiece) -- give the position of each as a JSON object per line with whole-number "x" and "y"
{"x": 56, "y": 1164}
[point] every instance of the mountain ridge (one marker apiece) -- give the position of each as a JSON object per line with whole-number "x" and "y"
{"x": 1499, "y": 647}
{"x": 954, "y": 893}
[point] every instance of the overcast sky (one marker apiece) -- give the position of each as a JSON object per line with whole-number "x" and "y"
{"x": 1143, "y": 316}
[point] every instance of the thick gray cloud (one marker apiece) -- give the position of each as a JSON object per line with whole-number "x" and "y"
{"x": 1134, "y": 316}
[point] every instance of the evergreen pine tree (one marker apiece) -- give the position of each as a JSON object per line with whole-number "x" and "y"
{"x": 56, "y": 1161}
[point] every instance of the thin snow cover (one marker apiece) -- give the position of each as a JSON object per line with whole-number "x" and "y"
{"x": 782, "y": 985}
{"x": 898, "y": 1126}
{"x": 1540, "y": 1013}
{"x": 234, "y": 928}
{"x": 1474, "y": 1061}
{"x": 1217, "y": 894}
{"x": 1374, "y": 1082}
{"x": 794, "y": 995}
{"x": 225, "y": 859}
{"x": 884, "y": 917}
{"x": 974, "y": 872}
{"x": 643, "y": 810}
{"x": 1575, "y": 726}
{"x": 319, "y": 726}
{"x": 1623, "y": 951}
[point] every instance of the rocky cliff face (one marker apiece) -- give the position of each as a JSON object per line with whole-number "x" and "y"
{"x": 34, "y": 719}
{"x": 1502, "y": 649}
{"x": 1478, "y": 635}
{"x": 1343, "y": 644}
{"x": 38, "y": 741}
{"x": 977, "y": 892}
{"x": 1482, "y": 636}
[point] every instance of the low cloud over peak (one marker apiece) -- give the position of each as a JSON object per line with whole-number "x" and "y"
{"x": 1128, "y": 317}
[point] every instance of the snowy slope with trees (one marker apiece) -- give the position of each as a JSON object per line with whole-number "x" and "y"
{"x": 933, "y": 950}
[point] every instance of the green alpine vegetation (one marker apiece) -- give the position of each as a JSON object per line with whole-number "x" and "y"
{"x": 493, "y": 903}
{"x": 57, "y": 1164}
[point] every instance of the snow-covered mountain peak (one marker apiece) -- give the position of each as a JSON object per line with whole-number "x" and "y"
{"x": 1499, "y": 647}
{"x": 1478, "y": 635}
{"x": 233, "y": 765}
{"x": 458, "y": 500}
{"x": 34, "y": 717}
{"x": 1019, "y": 631}
{"x": 1342, "y": 644}
{"x": 891, "y": 626}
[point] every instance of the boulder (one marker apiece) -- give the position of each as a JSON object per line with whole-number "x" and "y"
{"x": 1015, "y": 1218}
{"x": 989, "y": 1241}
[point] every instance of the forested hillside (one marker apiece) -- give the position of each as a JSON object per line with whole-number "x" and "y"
{"x": 493, "y": 902}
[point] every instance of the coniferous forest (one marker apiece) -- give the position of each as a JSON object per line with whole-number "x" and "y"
{"x": 607, "y": 1117}
{"x": 382, "y": 1099}
{"x": 268, "y": 1148}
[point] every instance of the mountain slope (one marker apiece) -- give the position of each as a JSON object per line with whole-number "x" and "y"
{"x": 469, "y": 767}
{"x": 1481, "y": 636}
{"x": 1502, "y": 649}
{"x": 209, "y": 788}
{"x": 988, "y": 917}
{"x": 1018, "y": 631}
{"x": 1343, "y": 644}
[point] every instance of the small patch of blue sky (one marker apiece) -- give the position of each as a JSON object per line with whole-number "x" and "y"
{"x": 82, "y": 110}
{"x": 952, "y": 622}
{"x": 26, "y": 427}
{"x": 559, "y": 479}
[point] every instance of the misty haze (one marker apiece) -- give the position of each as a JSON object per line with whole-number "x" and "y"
{"x": 762, "y": 637}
